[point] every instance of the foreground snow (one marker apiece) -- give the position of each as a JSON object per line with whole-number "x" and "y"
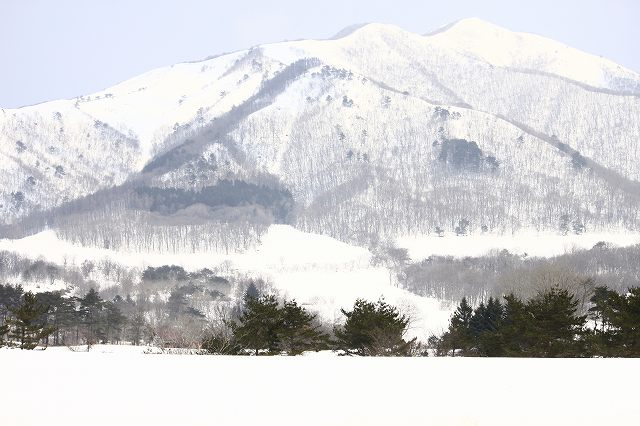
{"x": 61, "y": 387}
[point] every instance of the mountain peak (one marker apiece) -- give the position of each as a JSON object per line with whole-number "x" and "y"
{"x": 475, "y": 22}
{"x": 347, "y": 31}
{"x": 502, "y": 47}
{"x": 465, "y": 23}
{"x": 368, "y": 29}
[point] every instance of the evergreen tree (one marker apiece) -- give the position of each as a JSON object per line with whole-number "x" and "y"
{"x": 515, "y": 330}
{"x": 548, "y": 325}
{"x": 477, "y": 323}
{"x": 61, "y": 315}
{"x": 91, "y": 306}
{"x": 374, "y": 329}
{"x": 606, "y": 312}
{"x": 297, "y": 332}
{"x": 485, "y": 324}
{"x": 28, "y": 323}
{"x": 10, "y": 297}
{"x": 617, "y": 322}
{"x": 557, "y": 330}
{"x": 628, "y": 322}
{"x": 459, "y": 335}
{"x": 604, "y": 302}
{"x": 258, "y": 325}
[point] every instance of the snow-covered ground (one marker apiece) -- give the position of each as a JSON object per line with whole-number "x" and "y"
{"x": 282, "y": 247}
{"x": 530, "y": 243}
{"x": 126, "y": 387}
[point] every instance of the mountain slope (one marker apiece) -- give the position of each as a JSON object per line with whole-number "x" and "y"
{"x": 522, "y": 51}
{"x": 377, "y": 132}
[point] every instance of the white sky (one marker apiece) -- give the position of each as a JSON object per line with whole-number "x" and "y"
{"x": 65, "y": 48}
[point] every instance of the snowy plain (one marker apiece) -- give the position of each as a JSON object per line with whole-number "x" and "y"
{"x": 121, "y": 386}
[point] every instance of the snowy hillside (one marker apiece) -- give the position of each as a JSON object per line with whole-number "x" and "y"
{"x": 319, "y": 272}
{"x": 350, "y": 122}
{"x": 531, "y": 52}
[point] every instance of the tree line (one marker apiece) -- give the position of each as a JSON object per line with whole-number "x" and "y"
{"x": 260, "y": 325}
{"x": 501, "y": 272}
{"x": 550, "y": 324}
{"x": 54, "y": 318}
{"x": 553, "y": 323}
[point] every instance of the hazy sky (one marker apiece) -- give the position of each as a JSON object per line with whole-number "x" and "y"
{"x": 52, "y": 49}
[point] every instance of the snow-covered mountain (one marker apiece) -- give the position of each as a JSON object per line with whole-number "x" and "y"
{"x": 377, "y": 132}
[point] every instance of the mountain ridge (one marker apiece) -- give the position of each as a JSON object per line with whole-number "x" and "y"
{"x": 252, "y": 115}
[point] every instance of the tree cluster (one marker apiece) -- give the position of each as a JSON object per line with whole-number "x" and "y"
{"x": 501, "y": 272}
{"x": 549, "y": 324}
{"x": 617, "y": 322}
{"x": 28, "y": 320}
{"x": 267, "y": 327}
{"x": 26, "y": 325}
{"x": 264, "y": 326}
{"x": 374, "y": 329}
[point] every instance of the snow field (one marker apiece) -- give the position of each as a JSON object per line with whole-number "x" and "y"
{"x": 61, "y": 387}
{"x": 531, "y": 243}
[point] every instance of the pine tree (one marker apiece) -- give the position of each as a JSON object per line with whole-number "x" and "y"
{"x": 515, "y": 331}
{"x": 477, "y": 323}
{"x": 374, "y": 329}
{"x": 28, "y": 323}
{"x": 258, "y": 324}
{"x": 459, "y": 335}
{"x": 61, "y": 314}
{"x": 91, "y": 306}
{"x": 606, "y": 312}
{"x": 557, "y": 329}
{"x": 619, "y": 317}
{"x": 629, "y": 323}
{"x": 297, "y": 332}
{"x": 485, "y": 324}
{"x": 10, "y": 297}
{"x": 605, "y": 303}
